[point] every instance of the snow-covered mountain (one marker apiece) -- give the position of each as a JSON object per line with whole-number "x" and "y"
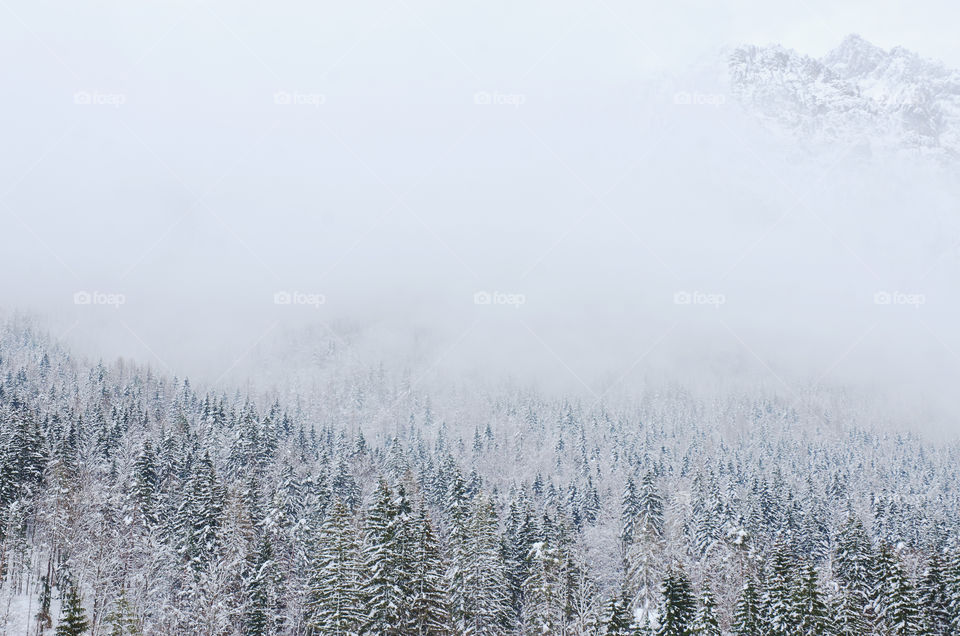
{"x": 858, "y": 93}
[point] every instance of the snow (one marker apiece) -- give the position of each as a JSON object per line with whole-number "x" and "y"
{"x": 889, "y": 101}
{"x": 18, "y": 613}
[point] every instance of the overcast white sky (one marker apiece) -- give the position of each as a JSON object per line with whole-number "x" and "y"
{"x": 145, "y": 153}
{"x": 106, "y": 40}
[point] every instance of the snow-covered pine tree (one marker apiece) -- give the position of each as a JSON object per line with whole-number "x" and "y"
{"x": 146, "y": 483}
{"x": 201, "y": 515}
{"x": 934, "y": 596}
{"x": 649, "y": 513}
{"x": 629, "y": 511}
{"x": 810, "y": 614}
{"x": 480, "y": 599}
{"x": 345, "y": 485}
{"x": 428, "y": 612}
{"x": 386, "y": 590}
{"x": 263, "y": 611}
{"x": 705, "y": 622}
{"x": 617, "y": 618}
{"x": 895, "y": 598}
{"x": 335, "y": 605}
{"x": 73, "y": 618}
{"x": 707, "y": 514}
{"x": 676, "y": 611}
{"x": 853, "y": 559}
{"x": 748, "y": 617}
{"x": 543, "y": 607}
{"x": 848, "y": 613}
{"x": 122, "y": 621}
{"x": 952, "y": 577}
{"x": 520, "y": 537}
{"x": 779, "y": 590}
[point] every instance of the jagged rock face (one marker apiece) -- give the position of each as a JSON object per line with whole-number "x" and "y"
{"x": 858, "y": 93}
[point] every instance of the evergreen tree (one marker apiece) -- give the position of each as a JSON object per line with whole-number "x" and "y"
{"x": 935, "y": 596}
{"x": 895, "y": 600}
{"x": 676, "y": 613}
{"x": 73, "y": 618}
{"x": 630, "y": 510}
{"x": 428, "y": 614}
{"x": 146, "y": 483}
{"x": 480, "y": 600}
{"x": 649, "y": 514}
{"x": 748, "y": 618}
{"x": 520, "y": 537}
{"x": 849, "y": 616}
{"x": 543, "y": 603}
{"x": 708, "y": 514}
{"x": 952, "y": 578}
{"x": 853, "y": 559}
{"x": 335, "y": 604}
{"x": 777, "y": 599}
{"x": 263, "y": 614}
{"x": 810, "y": 615}
{"x": 122, "y": 621}
{"x": 617, "y": 618}
{"x": 705, "y": 621}
{"x": 387, "y": 576}
{"x": 201, "y": 515}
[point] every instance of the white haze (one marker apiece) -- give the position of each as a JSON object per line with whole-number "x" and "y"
{"x": 597, "y": 198}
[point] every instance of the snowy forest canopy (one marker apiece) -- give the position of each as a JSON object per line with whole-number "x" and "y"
{"x": 134, "y": 504}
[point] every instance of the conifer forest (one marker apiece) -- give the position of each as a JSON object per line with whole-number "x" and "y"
{"x": 134, "y": 504}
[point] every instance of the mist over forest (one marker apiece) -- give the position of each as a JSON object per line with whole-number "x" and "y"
{"x": 412, "y": 318}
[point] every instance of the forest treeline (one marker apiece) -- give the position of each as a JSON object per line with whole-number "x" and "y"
{"x": 131, "y": 503}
